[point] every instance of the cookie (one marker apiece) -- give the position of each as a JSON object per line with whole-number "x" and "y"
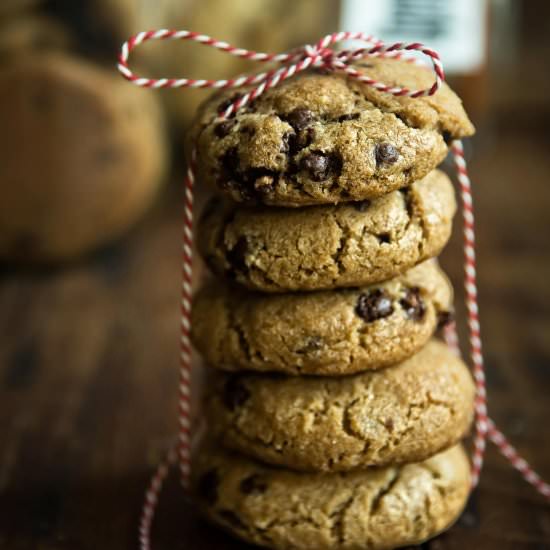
{"x": 82, "y": 155}
{"x": 324, "y": 247}
{"x": 376, "y": 509}
{"x": 326, "y": 138}
{"x": 327, "y": 333}
{"x": 405, "y": 413}
{"x": 30, "y": 34}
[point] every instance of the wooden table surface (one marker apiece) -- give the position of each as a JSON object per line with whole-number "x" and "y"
{"x": 88, "y": 372}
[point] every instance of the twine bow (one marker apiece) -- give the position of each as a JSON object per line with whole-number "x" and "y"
{"x": 321, "y": 55}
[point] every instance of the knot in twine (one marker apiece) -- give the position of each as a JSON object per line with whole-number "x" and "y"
{"x": 321, "y": 55}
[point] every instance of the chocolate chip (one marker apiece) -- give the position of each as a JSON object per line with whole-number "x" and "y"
{"x": 361, "y": 206}
{"x": 384, "y": 238}
{"x": 236, "y": 256}
{"x": 293, "y": 143}
{"x": 374, "y": 305}
{"x": 222, "y": 107}
{"x": 317, "y": 164}
{"x": 349, "y": 116}
{"x": 314, "y": 343}
{"x": 386, "y": 153}
{"x": 248, "y": 130}
{"x": 444, "y": 318}
{"x": 235, "y": 393}
{"x": 388, "y": 423}
{"x": 253, "y": 484}
{"x": 345, "y": 194}
{"x": 230, "y": 178}
{"x": 223, "y": 128}
{"x": 250, "y": 185}
{"x": 308, "y": 137}
{"x": 292, "y": 169}
{"x": 447, "y": 137}
{"x": 238, "y": 188}
{"x": 413, "y": 304}
{"x": 230, "y": 162}
{"x": 300, "y": 118}
{"x": 264, "y": 185}
{"x": 320, "y": 165}
{"x": 208, "y": 486}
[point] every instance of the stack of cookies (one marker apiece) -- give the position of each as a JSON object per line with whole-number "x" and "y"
{"x": 337, "y": 421}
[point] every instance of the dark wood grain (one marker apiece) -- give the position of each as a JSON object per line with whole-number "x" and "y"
{"x": 88, "y": 372}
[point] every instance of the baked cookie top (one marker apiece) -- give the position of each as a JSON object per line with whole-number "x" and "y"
{"x": 332, "y": 332}
{"x": 326, "y": 138}
{"x": 324, "y": 247}
{"x": 405, "y": 413}
{"x": 377, "y": 508}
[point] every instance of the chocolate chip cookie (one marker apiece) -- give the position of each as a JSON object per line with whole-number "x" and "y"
{"x": 324, "y": 247}
{"x": 325, "y": 138}
{"x": 376, "y": 509}
{"x": 329, "y": 333}
{"x": 405, "y": 413}
{"x": 82, "y": 155}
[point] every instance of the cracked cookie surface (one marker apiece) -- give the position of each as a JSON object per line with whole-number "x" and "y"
{"x": 324, "y": 247}
{"x": 401, "y": 414}
{"x": 376, "y": 509}
{"x": 324, "y": 138}
{"x": 334, "y": 332}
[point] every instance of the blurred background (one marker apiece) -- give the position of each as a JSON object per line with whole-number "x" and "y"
{"x": 90, "y": 179}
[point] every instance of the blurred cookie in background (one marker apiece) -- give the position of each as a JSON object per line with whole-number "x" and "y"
{"x": 82, "y": 154}
{"x": 31, "y": 33}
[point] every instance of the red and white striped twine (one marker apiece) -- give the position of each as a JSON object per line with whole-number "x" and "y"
{"x": 320, "y": 55}
{"x": 473, "y": 312}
